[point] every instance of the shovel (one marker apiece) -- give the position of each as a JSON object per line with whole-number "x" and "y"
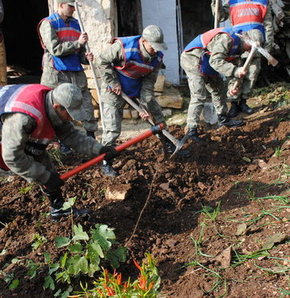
{"x": 154, "y": 129}
{"x": 178, "y": 144}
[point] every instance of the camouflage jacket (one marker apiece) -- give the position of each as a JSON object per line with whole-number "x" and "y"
{"x": 16, "y": 130}
{"x": 219, "y": 47}
{"x": 114, "y": 54}
{"x": 56, "y": 48}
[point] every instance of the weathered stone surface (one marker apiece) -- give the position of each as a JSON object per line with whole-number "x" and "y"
{"x": 117, "y": 192}
{"x": 94, "y": 94}
{"x": 170, "y": 98}
{"x": 159, "y": 85}
{"x": 127, "y": 114}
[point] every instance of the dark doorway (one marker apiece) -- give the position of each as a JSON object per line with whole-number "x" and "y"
{"x": 20, "y": 32}
{"x": 129, "y": 17}
{"x": 196, "y": 18}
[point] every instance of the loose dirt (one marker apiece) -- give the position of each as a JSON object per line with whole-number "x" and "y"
{"x": 204, "y": 215}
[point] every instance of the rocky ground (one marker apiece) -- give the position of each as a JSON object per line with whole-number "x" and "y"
{"x": 217, "y": 222}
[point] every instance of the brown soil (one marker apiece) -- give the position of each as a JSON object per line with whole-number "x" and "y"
{"x": 231, "y": 168}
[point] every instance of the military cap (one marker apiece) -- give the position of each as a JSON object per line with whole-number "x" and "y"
{"x": 69, "y": 2}
{"x": 154, "y": 35}
{"x": 70, "y": 97}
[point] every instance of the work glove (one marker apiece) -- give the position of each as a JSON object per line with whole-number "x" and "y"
{"x": 54, "y": 182}
{"x": 110, "y": 151}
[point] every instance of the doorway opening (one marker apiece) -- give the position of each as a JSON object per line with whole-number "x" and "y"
{"x": 129, "y": 18}
{"x": 23, "y": 49}
{"x": 191, "y": 21}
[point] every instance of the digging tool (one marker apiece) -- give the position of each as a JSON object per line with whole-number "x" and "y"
{"x": 254, "y": 48}
{"x": 261, "y": 50}
{"x": 216, "y": 14}
{"x": 91, "y": 63}
{"x": 154, "y": 129}
{"x": 178, "y": 144}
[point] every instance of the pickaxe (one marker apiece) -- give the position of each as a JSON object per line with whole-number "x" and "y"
{"x": 154, "y": 129}
{"x": 255, "y": 47}
{"x": 178, "y": 144}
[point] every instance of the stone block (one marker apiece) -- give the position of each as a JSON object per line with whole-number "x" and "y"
{"x": 117, "y": 192}
{"x": 170, "y": 98}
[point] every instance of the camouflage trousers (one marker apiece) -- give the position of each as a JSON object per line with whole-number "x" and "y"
{"x": 199, "y": 85}
{"x": 52, "y": 78}
{"x": 112, "y": 110}
{"x": 248, "y": 82}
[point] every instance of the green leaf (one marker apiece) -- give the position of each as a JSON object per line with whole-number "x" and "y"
{"x": 47, "y": 257}
{"x": 115, "y": 257}
{"x": 63, "y": 260}
{"x": 62, "y": 241}
{"x": 75, "y": 248}
{"x": 49, "y": 283}
{"x": 72, "y": 269}
{"x": 106, "y": 232}
{"x": 14, "y": 284}
{"x": 83, "y": 265}
{"x": 95, "y": 250}
{"x": 103, "y": 234}
{"x": 69, "y": 204}
{"x": 93, "y": 268}
{"x": 53, "y": 268}
{"x": 63, "y": 277}
{"x": 79, "y": 233}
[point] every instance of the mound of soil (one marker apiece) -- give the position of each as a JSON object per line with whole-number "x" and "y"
{"x": 198, "y": 216}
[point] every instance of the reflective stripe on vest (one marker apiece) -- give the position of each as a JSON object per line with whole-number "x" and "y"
{"x": 135, "y": 68}
{"x": 69, "y": 31}
{"x": 248, "y": 13}
{"x": 29, "y": 100}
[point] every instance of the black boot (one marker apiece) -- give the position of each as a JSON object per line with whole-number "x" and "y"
{"x": 56, "y": 204}
{"x": 194, "y": 135}
{"x": 169, "y": 147}
{"x": 234, "y": 110}
{"x": 224, "y": 120}
{"x": 108, "y": 170}
{"x": 91, "y": 134}
{"x": 64, "y": 150}
{"x": 245, "y": 108}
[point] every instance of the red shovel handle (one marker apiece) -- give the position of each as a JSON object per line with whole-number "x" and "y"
{"x": 145, "y": 135}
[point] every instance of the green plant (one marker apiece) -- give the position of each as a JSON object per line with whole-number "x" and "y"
{"x": 278, "y": 152}
{"x": 84, "y": 253}
{"x": 38, "y": 241}
{"x": 210, "y": 212}
{"x": 146, "y": 285}
{"x": 26, "y": 189}
{"x": 197, "y": 243}
{"x": 239, "y": 259}
{"x": 9, "y": 278}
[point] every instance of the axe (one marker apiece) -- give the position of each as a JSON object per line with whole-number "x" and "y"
{"x": 254, "y": 48}
{"x": 178, "y": 144}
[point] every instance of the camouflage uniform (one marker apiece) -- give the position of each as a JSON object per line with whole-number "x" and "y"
{"x": 255, "y": 67}
{"x": 113, "y": 104}
{"x": 16, "y": 131}
{"x": 52, "y": 78}
{"x": 219, "y": 47}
